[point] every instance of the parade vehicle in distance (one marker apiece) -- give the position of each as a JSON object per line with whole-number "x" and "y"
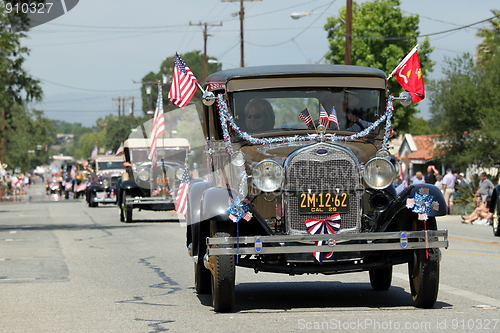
{"x": 74, "y": 178}
{"x": 312, "y": 191}
{"x": 148, "y": 187}
{"x": 108, "y": 169}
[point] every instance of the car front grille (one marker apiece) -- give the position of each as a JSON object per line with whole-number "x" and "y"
{"x": 316, "y": 168}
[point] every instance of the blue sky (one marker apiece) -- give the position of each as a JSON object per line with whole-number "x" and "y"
{"x": 95, "y": 52}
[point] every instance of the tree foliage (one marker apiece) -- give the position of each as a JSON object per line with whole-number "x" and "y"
{"x": 27, "y": 136}
{"x": 381, "y": 37}
{"x": 466, "y": 105}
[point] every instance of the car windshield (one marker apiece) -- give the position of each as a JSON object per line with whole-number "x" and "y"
{"x": 177, "y": 155}
{"x": 348, "y": 109}
{"x": 101, "y": 166}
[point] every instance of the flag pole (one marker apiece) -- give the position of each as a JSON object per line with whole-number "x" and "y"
{"x": 327, "y": 119}
{"x": 309, "y": 113}
{"x": 403, "y": 61}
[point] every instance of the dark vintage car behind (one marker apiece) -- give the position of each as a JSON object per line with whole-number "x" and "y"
{"x": 146, "y": 187}
{"x": 304, "y": 196}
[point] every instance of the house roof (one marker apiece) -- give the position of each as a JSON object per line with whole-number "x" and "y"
{"x": 419, "y": 147}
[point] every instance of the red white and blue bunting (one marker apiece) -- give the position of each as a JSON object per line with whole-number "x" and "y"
{"x": 330, "y": 225}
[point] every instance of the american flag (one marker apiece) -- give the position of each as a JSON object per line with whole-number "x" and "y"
{"x": 332, "y": 118}
{"x": 182, "y": 193}
{"x": 158, "y": 128}
{"x": 305, "y": 116}
{"x": 323, "y": 116}
{"x": 184, "y": 84}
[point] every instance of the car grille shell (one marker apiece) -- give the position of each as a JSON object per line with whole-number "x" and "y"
{"x": 321, "y": 167}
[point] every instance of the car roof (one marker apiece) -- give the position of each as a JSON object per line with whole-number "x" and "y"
{"x": 109, "y": 158}
{"x": 160, "y": 143}
{"x": 319, "y": 70}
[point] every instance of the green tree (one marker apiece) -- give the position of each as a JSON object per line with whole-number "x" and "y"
{"x": 117, "y": 129}
{"x": 88, "y": 141}
{"x": 466, "y": 105}
{"x": 491, "y": 40}
{"x": 27, "y": 150}
{"x": 381, "y": 37}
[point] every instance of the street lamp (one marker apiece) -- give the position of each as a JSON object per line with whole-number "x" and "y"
{"x": 348, "y": 28}
{"x": 213, "y": 61}
{"x": 299, "y": 15}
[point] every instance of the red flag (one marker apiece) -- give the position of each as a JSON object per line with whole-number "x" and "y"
{"x": 158, "y": 128}
{"x": 184, "y": 84}
{"x": 409, "y": 75}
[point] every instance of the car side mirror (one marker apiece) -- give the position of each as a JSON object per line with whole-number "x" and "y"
{"x": 208, "y": 98}
{"x": 404, "y": 98}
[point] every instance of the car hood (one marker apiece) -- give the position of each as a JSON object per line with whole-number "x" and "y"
{"x": 363, "y": 150}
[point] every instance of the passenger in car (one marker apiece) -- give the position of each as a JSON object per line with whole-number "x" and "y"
{"x": 259, "y": 116}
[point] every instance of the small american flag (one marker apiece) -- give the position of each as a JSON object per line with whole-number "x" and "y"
{"x": 323, "y": 116}
{"x": 305, "y": 116}
{"x": 158, "y": 128}
{"x": 182, "y": 193}
{"x": 332, "y": 118}
{"x": 184, "y": 84}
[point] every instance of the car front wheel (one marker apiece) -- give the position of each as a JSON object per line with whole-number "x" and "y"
{"x": 423, "y": 270}
{"x": 223, "y": 275}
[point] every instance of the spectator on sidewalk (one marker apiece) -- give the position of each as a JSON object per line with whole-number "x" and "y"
{"x": 432, "y": 173}
{"x": 449, "y": 188}
{"x": 485, "y": 188}
{"x": 480, "y": 216}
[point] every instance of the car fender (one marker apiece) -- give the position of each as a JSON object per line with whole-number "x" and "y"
{"x": 428, "y": 195}
{"x": 495, "y": 200}
{"x": 95, "y": 188}
{"x": 195, "y": 231}
{"x": 127, "y": 185}
{"x": 215, "y": 203}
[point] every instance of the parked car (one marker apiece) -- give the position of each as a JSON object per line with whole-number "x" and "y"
{"x": 108, "y": 169}
{"x": 304, "y": 193}
{"x": 149, "y": 187}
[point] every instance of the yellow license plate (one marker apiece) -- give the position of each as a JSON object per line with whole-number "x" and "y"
{"x": 323, "y": 202}
{"x": 162, "y": 181}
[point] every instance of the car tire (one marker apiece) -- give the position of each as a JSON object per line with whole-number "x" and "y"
{"x": 496, "y": 221}
{"x": 423, "y": 271}
{"x": 381, "y": 278}
{"x": 223, "y": 277}
{"x": 128, "y": 209}
{"x": 91, "y": 200}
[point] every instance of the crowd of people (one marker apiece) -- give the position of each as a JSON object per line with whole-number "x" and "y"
{"x": 14, "y": 184}
{"x": 451, "y": 182}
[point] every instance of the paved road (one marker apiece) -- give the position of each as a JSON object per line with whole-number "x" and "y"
{"x": 65, "y": 267}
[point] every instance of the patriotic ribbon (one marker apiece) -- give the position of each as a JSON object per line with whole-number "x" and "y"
{"x": 422, "y": 203}
{"x": 323, "y": 227}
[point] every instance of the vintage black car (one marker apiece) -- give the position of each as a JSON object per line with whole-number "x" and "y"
{"x": 302, "y": 182}
{"x": 146, "y": 187}
{"x": 107, "y": 170}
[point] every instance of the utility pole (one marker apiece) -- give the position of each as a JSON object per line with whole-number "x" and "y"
{"x": 348, "y": 32}
{"x": 205, "y": 38}
{"x": 3, "y": 136}
{"x": 242, "y": 39}
{"x": 121, "y": 105}
{"x": 119, "y": 99}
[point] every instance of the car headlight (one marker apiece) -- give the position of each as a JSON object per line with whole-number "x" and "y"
{"x": 267, "y": 176}
{"x": 143, "y": 175}
{"x": 378, "y": 173}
